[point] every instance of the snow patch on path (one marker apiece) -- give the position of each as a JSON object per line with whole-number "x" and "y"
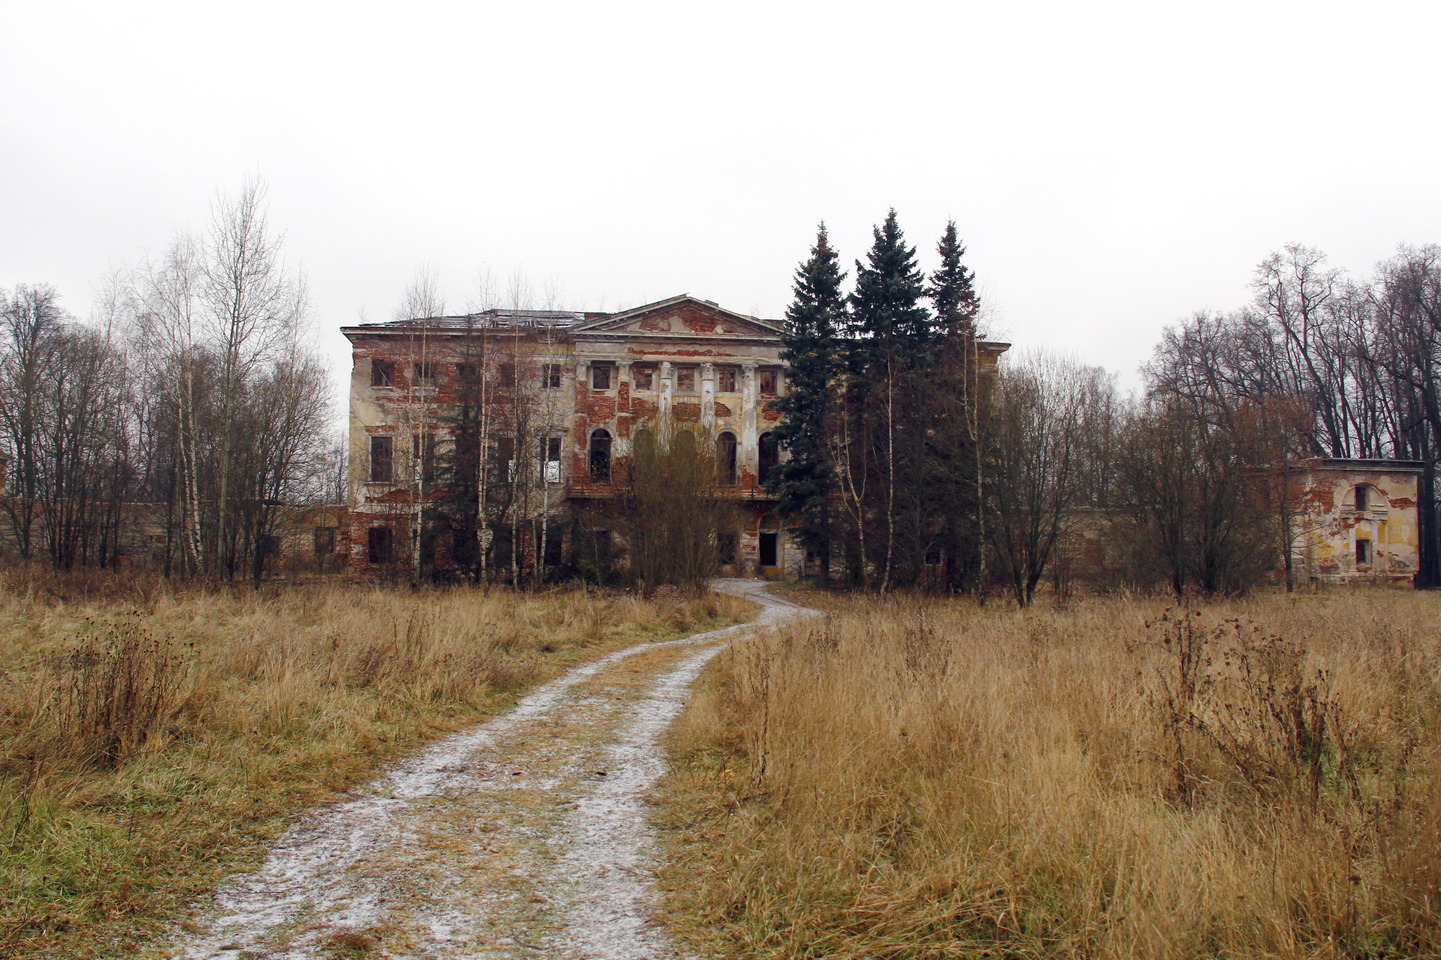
{"x": 568, "y": 869}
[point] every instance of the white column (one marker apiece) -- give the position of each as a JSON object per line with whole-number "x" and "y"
{"x": 707, "y": 397}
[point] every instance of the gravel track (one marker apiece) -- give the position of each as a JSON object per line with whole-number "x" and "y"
{"x": 525, "y": 836}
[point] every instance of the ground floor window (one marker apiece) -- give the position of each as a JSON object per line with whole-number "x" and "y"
{"x": 381, "y": 544}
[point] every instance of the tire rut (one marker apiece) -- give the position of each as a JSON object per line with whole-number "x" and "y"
{"x": 525, "y": 836}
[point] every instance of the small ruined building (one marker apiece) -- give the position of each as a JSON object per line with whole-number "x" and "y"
{"x": 564, "y": 395}
{"x": 1357, "y": 521}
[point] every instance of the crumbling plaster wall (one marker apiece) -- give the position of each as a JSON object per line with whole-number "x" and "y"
{"x": 1331, "y": 524}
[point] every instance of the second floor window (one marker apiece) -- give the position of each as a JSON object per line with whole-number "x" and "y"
{"x": 382, "y": 459}
{"x": 550, "y": 459}
{"x": 725, "y": 380}
{"x": 550, "y": 376}
{"x": 769, "y": 382}
{"x": 685, "y": 379}
{"x": 600, "y": 457}
{"x": 382, "y": 373}
{"x": 600, "y": 376}
{"x": 424, "y": 374}
{"x": 645, "y": 378}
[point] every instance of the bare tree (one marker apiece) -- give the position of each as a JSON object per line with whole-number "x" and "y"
{"x": 1040, "y": 416}
{"x": 31, "y": 319}
{"x": 254, "y": 302}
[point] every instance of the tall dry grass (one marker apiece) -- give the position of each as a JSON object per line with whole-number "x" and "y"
{"x": 933, "y": 779}
{"x": 154, "y": 738}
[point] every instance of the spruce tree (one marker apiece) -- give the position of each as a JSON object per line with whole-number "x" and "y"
{"x": 955, "y": 442}
{"x": 806, "y": 480}
{"x": 896, "y": 350}
{"x": 952, "y": 289}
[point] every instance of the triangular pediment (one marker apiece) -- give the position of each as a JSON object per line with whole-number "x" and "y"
{"x": 682, "y": 316}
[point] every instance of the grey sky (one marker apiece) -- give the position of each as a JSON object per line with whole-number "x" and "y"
{"x": 1111, "y": 167}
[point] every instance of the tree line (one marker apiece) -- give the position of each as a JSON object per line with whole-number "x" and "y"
{"x": 193, "y": 390}
{"x": 912, "y": 460}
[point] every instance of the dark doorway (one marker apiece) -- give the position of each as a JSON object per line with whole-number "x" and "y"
{"x": 768, "y": 549}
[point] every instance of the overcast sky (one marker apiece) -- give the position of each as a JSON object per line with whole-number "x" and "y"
{"x": 1111, "y": 167}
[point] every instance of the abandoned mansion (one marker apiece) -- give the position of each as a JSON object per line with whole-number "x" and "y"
{"x": 565, "y": 394}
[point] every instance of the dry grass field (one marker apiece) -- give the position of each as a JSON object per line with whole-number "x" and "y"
{"x": 935, "y": 779}
{"x": 153, "y": 739}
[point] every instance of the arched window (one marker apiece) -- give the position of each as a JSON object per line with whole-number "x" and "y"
{"x": 1364, "y": 500}
{"x": 770, "y": 456}
{"x": 600, "y": 456}
{"x": 725, "y": 459}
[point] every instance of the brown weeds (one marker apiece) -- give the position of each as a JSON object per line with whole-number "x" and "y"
{"x": 914, "y": 779}
{"x": 153, "y": 740}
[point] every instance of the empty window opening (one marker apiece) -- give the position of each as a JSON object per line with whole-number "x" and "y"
{"x": 933, "y": 556}
{"x": 505, "y": 457}
{"x": 685, "y": 379}
{"x": 725, "y": 545}
{"x": 1363, "y": 498}
{"x": 770, "y": 382}
{"x": 1363, "y": 552}
{"x": 424, "y": 374}
{"x": 507, "y": 376}
{"x": 600, "y": 376}
{"x": 465, "y": 372}
{"x": 382, "y": 373}
{"x": 550, "y": 376}
{"x": 324, "y": 541}
{"x": 644, "y": 377}
{"x": 725, "y": 380}
{"x": 600, "y": 457}
{"x": 725, "y": 459}
{"x": 770, "y": 455}
{"x": 382, "y": 459}
{"x": 381, "y": 544}
{"x": 550, "y": 459}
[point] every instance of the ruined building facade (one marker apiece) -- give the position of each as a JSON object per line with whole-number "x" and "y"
{"x": 1356, "y": 520}
{"x": 576, "y": 388}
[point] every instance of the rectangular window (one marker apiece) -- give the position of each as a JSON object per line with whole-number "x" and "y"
{"x": 550, "y": 456}
{"x": 726, "y": 547}
{"x": 465, "y": 372}
{"x": 1363, "y": 552}
{"x": 382, "y": 373}
{"x": 324, "y": 541}
{"x": 726, "y": 380}
{"x": 600, "y": 376}
{"x": 685, "y": 379}
{"x": 645, "y": 378}
{"x": 424, "y": 374}
{"x": 380, "y": 539}
{"x": 507, "y": 376}
{"x": 505, "y": 457}
{"x": 550, "y": 376}
{"x": 770, "y": 381}
{"x": 382, "y": 459}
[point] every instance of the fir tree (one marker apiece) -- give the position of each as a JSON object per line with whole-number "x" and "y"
{"x": 955, "y": 441}
{"x": 887, "y": 300}
{"x": 952, "y": 289}
{"x": 813, "y": 325}
{"x": 897, "y": 339}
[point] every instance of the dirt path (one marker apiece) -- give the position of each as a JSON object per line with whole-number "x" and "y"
{"x": 523, "y": 837}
